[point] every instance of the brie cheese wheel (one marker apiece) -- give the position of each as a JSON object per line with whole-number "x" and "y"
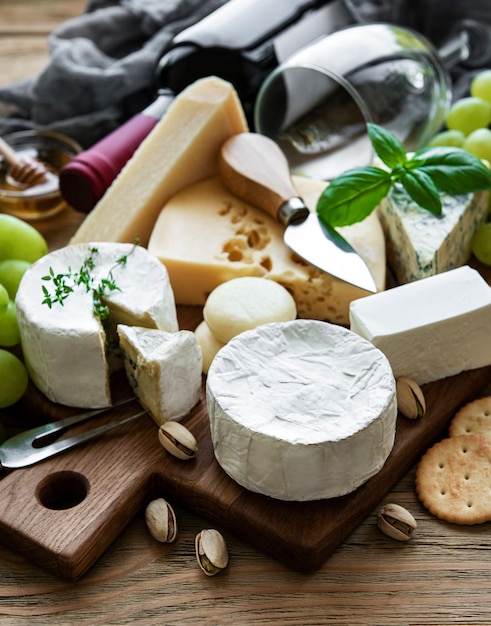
{"x": 205, "y": 236}
{"x": 164, "y": 370}
{"x": 420, "y": 244}
{"x": 66, "y": 346}
{"x": 432, "y": 328}
{"x": 301, "y": 410}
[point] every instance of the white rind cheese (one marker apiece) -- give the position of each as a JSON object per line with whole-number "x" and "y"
{"x": 301, "y": 410}
{"x": 65, "y": 347}
{"x": 420, "y": 244}
{"x": 164, "y": 370}
{"x": 432, "y": 328}
{"x": 205, "y": 236}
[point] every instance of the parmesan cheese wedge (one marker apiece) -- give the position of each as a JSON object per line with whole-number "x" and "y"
{"x": 182, "y": 149}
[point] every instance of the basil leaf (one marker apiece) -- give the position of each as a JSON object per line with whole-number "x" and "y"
{"x": 388, "y": 148}
{"x": 453, "y": 170}
{"x": 352, "y": 196}
{"x": 422, "y": 190}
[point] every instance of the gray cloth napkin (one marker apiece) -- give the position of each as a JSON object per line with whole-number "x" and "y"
{"x": 101, "y": 65}
{"x": 101, "y": 68}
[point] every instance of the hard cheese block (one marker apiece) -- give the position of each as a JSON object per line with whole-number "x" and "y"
{"x": 420, "y": 244}
{"x": 206, "y": 236}
{"x": 301, "y": 410}
{"x": 66, "y": 347}
{"x": 164, "y": 370}
{"x": 432, "y": 328}
{"x": 181, "y": 149}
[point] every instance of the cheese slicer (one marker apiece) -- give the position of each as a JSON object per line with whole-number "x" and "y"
{"x": 253, "y": 167}
{"x": 23, "y": 170}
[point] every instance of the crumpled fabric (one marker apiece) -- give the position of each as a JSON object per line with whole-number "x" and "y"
{"x": 101, "y": 67}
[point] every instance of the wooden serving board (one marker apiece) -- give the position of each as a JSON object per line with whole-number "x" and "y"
{"x": 63, "y": 513}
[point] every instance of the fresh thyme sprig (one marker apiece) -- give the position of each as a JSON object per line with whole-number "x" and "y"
{"x": 65, "y": 283}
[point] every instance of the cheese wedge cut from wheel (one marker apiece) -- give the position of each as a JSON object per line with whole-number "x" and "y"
{"x": 206, "y": 236}
{"x": 301, "y": 410}
{"x": 431, "y": 328}
{"x": 420, "y": 244}
{"x": 67, "y": 348}
{"x": 181, "y": 149}
{"x": 164, "y": 370}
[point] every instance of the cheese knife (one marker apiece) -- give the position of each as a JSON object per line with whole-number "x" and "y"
{"x": 254, "y": 168}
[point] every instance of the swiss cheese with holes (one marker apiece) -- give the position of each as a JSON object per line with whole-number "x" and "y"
{"x": 206, "y": 236}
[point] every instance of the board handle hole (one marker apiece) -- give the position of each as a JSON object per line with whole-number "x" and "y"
{"x": 62, "y": 490}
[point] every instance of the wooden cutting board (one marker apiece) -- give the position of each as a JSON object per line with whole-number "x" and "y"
{"x": 63, "y": 513}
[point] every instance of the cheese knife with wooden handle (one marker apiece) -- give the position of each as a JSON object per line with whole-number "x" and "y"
{"x": 253, "y": 167}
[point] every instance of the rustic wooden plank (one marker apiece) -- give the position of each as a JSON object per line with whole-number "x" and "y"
{"x": 440, "y": 578}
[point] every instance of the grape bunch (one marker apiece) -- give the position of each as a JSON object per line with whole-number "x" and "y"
{"x": 468, "y": 124}
{"x": 20, "y": 245}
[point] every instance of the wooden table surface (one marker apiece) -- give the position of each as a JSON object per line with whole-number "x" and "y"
{"x": 441, "y": 577}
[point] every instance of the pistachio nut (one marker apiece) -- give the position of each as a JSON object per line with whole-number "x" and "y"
{"x": 178, "y": 440}
{"x": 161, "y": 520}
{"x": 396, "y": 522}
{"x": 410, "y": 398}
{"x": 211, "y": 551}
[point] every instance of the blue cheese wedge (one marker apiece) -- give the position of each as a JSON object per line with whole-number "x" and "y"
{"x": 301, "y": 410}
{"x": 164, "y": 370}
{"x": 432, "y": 328}
{"x": 420, "y": 244}
{"x": 66, "y": 348}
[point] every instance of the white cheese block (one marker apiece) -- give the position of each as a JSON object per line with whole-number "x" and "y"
{"x": 206, "y": 236}
{"x": 65, "y": 346}
{"x": 420, "y": 244}
{"x": 164, "y": 370}
{"x": 432, "y": 328}
{"x": 182, "y": 149}
{"x": 301, "y": 410}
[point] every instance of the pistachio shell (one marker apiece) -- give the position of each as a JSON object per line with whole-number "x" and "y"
{"x": 178, "y": 440}
{"x": 410, "y": 398}
{"x": 396, "y": 522}
{"x": 211, "y": 551}
{"x": 161, "y": 520}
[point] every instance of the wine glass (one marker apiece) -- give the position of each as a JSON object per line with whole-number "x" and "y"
{"x": 317, "y": 103}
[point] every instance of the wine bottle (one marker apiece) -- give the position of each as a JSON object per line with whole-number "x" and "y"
{"x": 242, "y": 42}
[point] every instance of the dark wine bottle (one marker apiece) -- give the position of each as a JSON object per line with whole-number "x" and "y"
{"x": 242, "y": 42}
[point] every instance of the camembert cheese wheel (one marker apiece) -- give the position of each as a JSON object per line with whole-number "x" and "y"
{"x": 301, "y": 410}
{"x": 66, "y": 347}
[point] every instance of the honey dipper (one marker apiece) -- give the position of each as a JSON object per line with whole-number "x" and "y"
{"x": 24, "y": 170}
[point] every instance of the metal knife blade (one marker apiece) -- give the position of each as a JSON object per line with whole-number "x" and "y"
{"x": 253, "y": 167}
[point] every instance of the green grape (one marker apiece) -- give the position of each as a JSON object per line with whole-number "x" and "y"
{"x": 11, "y": 272}
{"x": 481, "y": 86}
{"x": 4, "y": 298}
{"x": 478, "y": 143}
{"x": 9, "y": 329}
{"x": 481, "y": 244}
{"x": 13, "y": 379}
{"x": 20, "y": 240}
{"x": 468, "y": 114}
{"x": 451, "y": 138}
